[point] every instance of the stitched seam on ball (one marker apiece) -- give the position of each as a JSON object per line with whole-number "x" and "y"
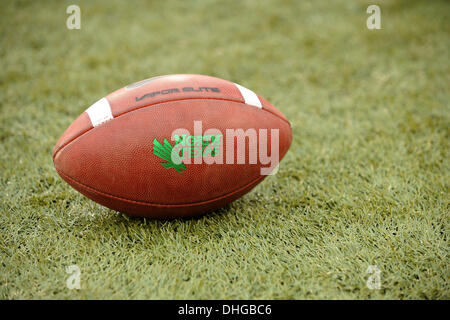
{"x": 156, "y": 103}
{"x": 158, "y": 204}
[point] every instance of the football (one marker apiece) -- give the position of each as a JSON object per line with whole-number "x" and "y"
{"x": 172, "y": 146}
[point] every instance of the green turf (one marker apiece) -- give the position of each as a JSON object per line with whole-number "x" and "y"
{"x": 366, "y": 181}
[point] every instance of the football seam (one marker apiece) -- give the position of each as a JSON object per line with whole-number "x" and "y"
{"x": 160, "y": 102}
{"x": 150, "y": 204}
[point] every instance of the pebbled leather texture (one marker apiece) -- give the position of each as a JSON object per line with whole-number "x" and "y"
{"x": 114, "y": 164}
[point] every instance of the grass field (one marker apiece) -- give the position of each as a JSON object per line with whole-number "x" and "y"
{"x": 366, "y": 181}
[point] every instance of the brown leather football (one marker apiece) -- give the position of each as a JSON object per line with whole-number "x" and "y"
{"x": 172, "y": 146}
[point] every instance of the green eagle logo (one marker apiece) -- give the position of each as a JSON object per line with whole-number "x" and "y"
{"x": 165, "y": 153}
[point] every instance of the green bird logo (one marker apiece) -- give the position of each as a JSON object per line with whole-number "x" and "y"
{"x": 165, "y": 152}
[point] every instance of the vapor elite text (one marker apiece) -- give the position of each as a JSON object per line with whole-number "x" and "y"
{"x": 177, "y": 90}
